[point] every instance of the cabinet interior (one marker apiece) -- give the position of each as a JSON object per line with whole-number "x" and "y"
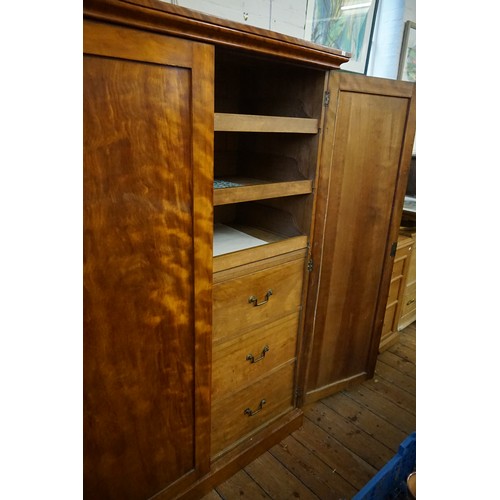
{"x": 253, "y": 85}
{"x": 267, "y": 120}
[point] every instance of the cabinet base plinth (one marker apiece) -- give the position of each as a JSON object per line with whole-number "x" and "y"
{"x": 239, "y": 457}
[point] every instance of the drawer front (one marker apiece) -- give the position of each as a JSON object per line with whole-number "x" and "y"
{"x": 244, "y": 412}
{"x": 394, "y": 291}
{"x": 412, "y": 270}
{"x": 397, "y": 269}
{"x": 410, "y": 299}
{"x": 239, "y": 361}
{"x": 245, "y": 302}
{"x": 389, "y": 319}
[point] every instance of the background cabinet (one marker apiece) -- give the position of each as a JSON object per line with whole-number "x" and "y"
{"x": 147, "y": 253}
{"x": 397, "y": 289}
{"x": 366, "y": 150}
{"x": 409, "y": 303}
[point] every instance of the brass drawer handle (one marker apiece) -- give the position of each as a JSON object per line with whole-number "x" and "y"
{"x": 262, "y": 355}
{"x": 410, "y": 302}
{"x": 253, "y": 299}
{"x": 251, "y": 413}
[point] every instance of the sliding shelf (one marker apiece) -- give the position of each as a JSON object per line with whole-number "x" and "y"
{"x": 236, "y": 245}
{"x": 240, "y": 189}
{"x": 229, "y": 122}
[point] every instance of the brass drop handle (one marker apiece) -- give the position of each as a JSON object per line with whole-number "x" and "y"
{"x": 410, "y": 302}
{"x": 251, "y": 358}
{"x": 251, "y": 413}
{"x": 253, "y": 299}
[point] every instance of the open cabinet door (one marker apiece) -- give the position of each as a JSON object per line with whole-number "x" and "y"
{"x": 367, "y": 144}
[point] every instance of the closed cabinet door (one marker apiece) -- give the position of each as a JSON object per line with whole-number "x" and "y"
{"x": 148, "y": 107}
{"x": 366, "y": 151}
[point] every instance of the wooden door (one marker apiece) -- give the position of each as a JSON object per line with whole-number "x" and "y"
{"x": 148, "y": 149}
{"x": 367, "y": 142}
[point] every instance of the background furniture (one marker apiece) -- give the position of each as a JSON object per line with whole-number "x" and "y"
{"x": 409, "y": 303}
{"x": 241, "y": 201}
{"x": 396, "y": 297}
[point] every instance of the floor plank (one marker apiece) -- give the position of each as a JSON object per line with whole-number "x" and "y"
{"x": 370, "y": 422}
{"x": 384, "y": 408}
{"x": 350, "y": 435}
{"x": 239, "y": 486}
{"x": 213, "y": 495}
{"x": 319, "y": 477}
{"x": 404, "y": 352}
{"x": 408, "y": 336}
{"x": 400, "y": 397}
{"x": 395, "y": 377}
{"x": 276, "y": 480}
{"x": 398, "y": 363}
{"x": 346, "y": 463}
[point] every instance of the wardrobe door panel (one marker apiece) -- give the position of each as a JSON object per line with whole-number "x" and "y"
{"x": 365, "y": 153}
{"x": 147, "y": 250}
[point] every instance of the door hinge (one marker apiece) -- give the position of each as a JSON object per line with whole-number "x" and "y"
{"x": 393, "y": 249}
{"x": 326, "y": 99}
{"x": 310, "y": 265}
{"x": 298, "y": 393}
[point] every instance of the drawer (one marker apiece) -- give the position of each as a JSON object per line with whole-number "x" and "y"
{"x": 249, "y": 301}
{"x": 412, "y": 269}
{"x": 397, "y": 269}
{"x": 394, "y": 291}
{"x": 239, "y": 361}
{"x": 410, "y": 299}
{"x": 244, "y": 412}
{"x": 389, "y": 319}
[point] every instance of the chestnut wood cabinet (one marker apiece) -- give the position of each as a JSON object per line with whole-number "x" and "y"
{"x": 408, "y": 312}
{"x": 241, "y": 198}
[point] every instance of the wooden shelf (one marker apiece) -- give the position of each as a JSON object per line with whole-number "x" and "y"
{"x": 271, "y": 244}
{"x": 255, "y": 189}
{"x": 229, "y": 122}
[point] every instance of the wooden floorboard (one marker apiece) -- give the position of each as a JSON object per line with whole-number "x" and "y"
{"x": 342, "y": 460}
{"x": 395, "y": 377}
{"x": 345, "y": 439}
{"x": 371, "y": 423}
{"x": 241, "y": 484}
{"x": 397, "y": 362}
{"x": 276, "y": 480}
{"x": 350, "y": 435}
{"x": 316, "y": 474}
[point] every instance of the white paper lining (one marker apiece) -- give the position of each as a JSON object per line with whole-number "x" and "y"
{"x": 227, "y": 239}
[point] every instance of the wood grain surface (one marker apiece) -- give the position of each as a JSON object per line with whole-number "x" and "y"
{"x": 147, "y": 250}
{"x": 232, "y": 311}
{"x": 155, "y": 15}
{"x": 356, "y": 210}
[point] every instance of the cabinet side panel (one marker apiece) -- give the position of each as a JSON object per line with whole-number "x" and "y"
{"x": 138, "y": 277}
{"x": 367, "y": 146}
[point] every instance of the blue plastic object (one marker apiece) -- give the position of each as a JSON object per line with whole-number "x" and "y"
{"x": 390, "y": 482}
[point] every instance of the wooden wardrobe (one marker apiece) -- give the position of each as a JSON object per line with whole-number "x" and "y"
{"x": 242, "y": 198}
